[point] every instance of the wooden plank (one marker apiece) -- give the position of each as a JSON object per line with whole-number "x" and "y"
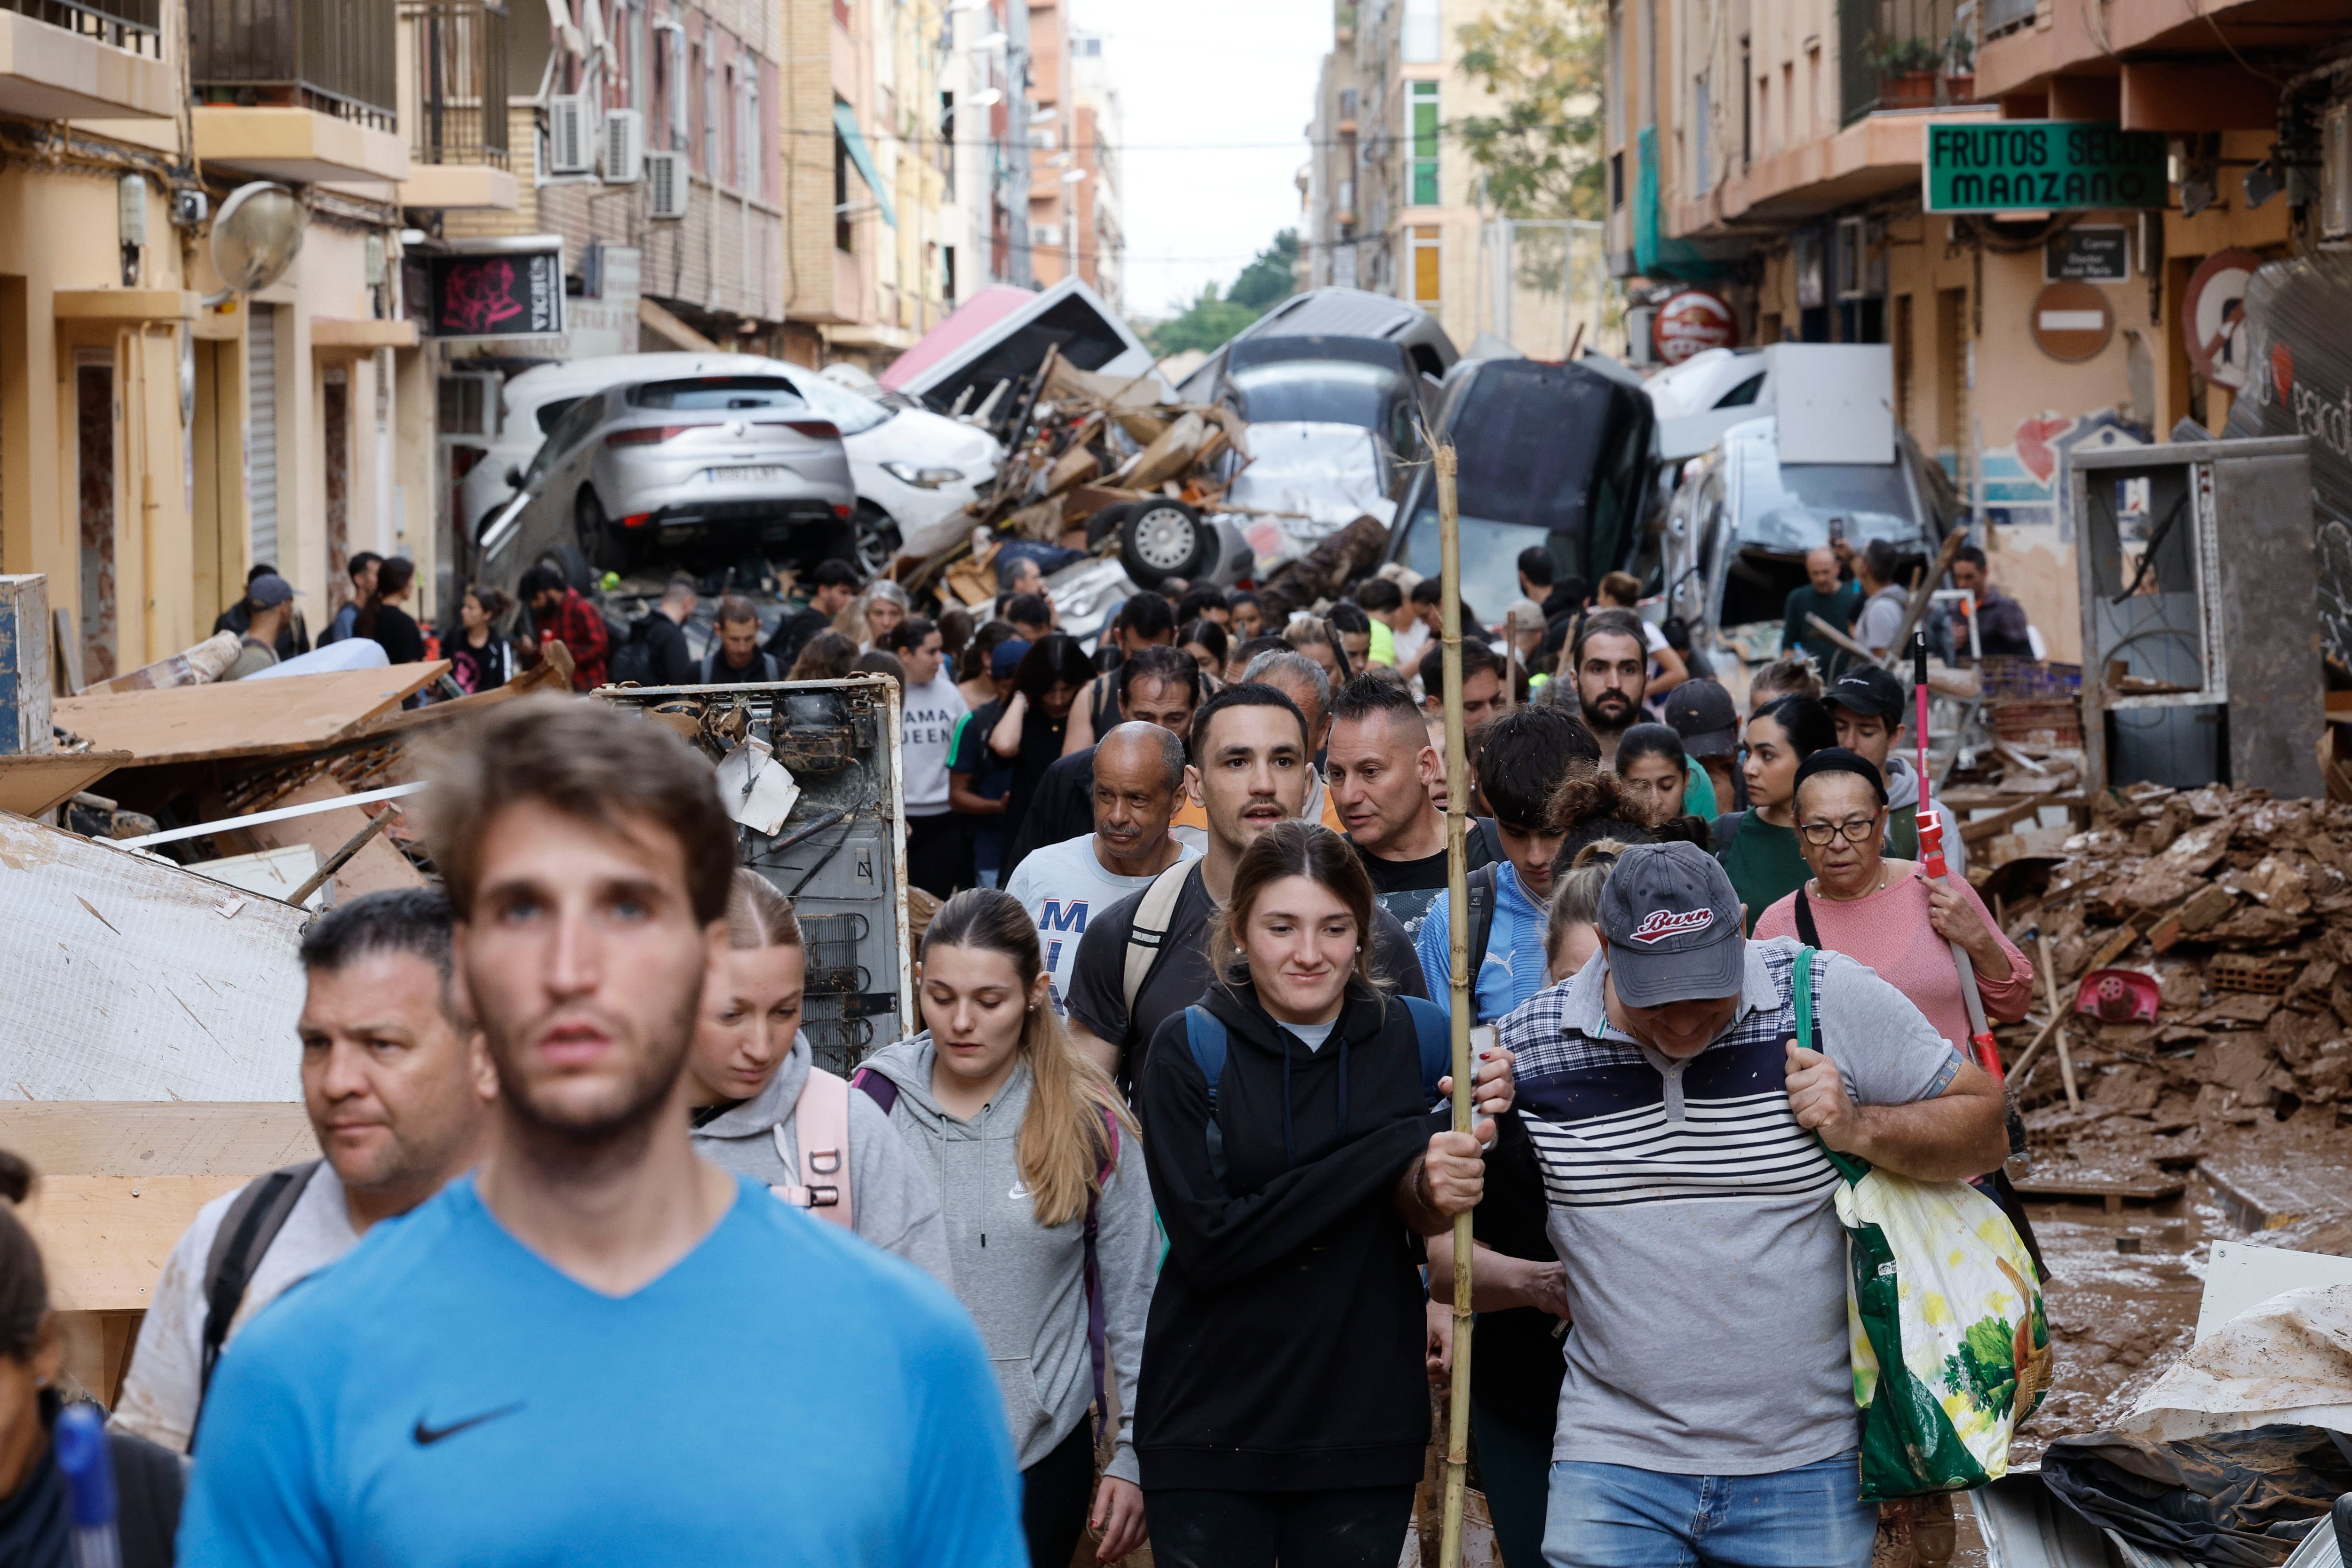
{"x": 128, "y": 978}
{"x": 242, "y": 718}
{"x": 2260, "y": 1197}
{"x": 136, "y": 1137}
{"x": 105, "y": 1238}
{"x": 31, "y": 785}
{"x": 2135, "y": 1189}
{"x": 378, "y": 866}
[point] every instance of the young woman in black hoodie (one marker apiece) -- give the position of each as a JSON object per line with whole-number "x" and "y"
{"x": 1283, "y": 1409}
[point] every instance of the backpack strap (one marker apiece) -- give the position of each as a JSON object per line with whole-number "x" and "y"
{"x": 1153, "y": 915}
{"x": 1204, "y": 1036}
{"x": 1483, "y": 887}
{"x": 881, "y": 1090}
{"x": 1433, "y": 1029}
{"x": 1807, "y": 932}
{"x": 820, "y": 1128}
{"x": 255, "y": 1217}
{"x": 1809, "y": 1031}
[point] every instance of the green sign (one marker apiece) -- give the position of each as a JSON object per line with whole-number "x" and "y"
{"x": 2045, "y": 165}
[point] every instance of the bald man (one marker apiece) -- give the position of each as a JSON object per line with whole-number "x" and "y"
{"x": 1139, "y": 771}
{"x": 1832, "y": 596}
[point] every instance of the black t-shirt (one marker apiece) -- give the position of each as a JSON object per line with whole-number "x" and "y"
{"x": 1407, "y": 888}
{"x": 1041, "y": 747}
{"x": 1097, "y": 992}
{"x": 793, "y": 633}
{"x": 402, "y": 642}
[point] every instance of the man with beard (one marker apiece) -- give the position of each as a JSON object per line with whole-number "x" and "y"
{"x": 1612, "y": 661}
{"x": 548, "y": 1360}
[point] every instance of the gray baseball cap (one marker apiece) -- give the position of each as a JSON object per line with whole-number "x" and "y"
{"x": 1672, "y": 924}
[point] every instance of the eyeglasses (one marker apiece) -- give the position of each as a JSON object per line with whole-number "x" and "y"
{"x": 1857, "y": 830}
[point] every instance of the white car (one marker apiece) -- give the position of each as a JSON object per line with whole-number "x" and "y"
{"x": 910, "y": 467}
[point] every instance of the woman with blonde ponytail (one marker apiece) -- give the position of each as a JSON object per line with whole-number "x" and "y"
{"x": 1050, "y": 1232}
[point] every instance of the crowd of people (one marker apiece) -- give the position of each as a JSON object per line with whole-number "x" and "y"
{"x": 1143, "y": 1231}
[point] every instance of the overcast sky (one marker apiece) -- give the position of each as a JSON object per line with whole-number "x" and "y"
{"x": 1217, "y": 94}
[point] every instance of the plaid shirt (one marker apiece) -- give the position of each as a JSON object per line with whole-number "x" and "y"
{"x": 580, "y": 626}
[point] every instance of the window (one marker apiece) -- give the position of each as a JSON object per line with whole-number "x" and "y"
{"x": 746, "y": 132}
{"x": 1347, "y": 103}
{"x": 1423, "y": 109}
{"x": 670, "y": 79}
{"x": 710, "y": 166}
{"x": 1426, "y": 274}
{"x": 635, "y": 42}
{"x": 947, "y": 273}
{"x": 842, "y": 233}
{"x": 947, "y": 142}
{"x": 1423, "y": 35}
{"x": 731, "y": 97}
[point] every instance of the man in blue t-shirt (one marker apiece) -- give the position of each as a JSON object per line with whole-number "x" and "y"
{"x": 598, "y": 1348}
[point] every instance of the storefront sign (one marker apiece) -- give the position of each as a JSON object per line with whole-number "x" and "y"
{"x": 2045, "y": 166}
{"x": 498, "y": 294}
{"x": 1690, "y": 322}
{"x": 2213, "y": 317}
{"x": 2092, "y": 253}
{"x": 2072, "y": 322}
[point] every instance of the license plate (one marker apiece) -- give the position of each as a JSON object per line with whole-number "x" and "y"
{"x": 766, "y": 474}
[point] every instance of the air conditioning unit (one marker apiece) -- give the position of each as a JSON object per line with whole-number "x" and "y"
{"x": 1043, "y": 234}
{"x": 624, "y": 146}
{"x": 665, "y": 185}
{"x": 570, "y": 135}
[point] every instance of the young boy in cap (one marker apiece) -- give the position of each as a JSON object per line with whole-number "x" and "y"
{"x": 1869, "y": 706}
{"x": 1679, "y": 1124}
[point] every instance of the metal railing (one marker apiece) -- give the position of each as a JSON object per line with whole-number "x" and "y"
{"x": 1870, "y": 30}
{"x": 133, "y": 24}
{"x": 338, "y": 56}
{"x": 454, "y": 99}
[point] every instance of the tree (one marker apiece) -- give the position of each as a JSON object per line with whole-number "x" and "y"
{"x": 1542, "y": 60}
{"x": 1270, "y": 278}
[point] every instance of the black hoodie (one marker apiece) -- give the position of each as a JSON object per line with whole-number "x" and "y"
{"x": 1284, "y": 1349}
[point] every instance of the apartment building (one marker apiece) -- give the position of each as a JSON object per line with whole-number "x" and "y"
{"x": 1775, "y": 155}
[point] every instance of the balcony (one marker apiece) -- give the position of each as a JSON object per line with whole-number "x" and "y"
{"x": 99, "y": 59}
{"x": 1901, "y": 54}
{"x": 453, "y": 104}
{"x": 297, "y": 89}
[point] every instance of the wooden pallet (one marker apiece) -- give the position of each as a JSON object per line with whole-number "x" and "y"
{"x": 2113, "y": 1192}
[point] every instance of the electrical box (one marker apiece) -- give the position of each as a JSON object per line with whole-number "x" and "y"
{"x": 2200, "y": 613}
{"x": 838, "y": 851}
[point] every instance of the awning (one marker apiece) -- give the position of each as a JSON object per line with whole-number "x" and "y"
{"x": 845, "y": 124}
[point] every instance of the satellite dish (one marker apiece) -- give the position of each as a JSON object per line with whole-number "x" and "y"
{"x": 256, "y": 236}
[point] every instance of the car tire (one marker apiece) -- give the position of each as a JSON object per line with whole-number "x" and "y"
{"x": 572, "y": 562}
{"x": 1163, "y": 539}
{"x": 1104, "y": 524}
{"x": 875, "y": 538}
{"x": 604, "y": 546}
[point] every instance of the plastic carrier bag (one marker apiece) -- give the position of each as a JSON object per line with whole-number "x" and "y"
{"x": 1951, "y": 1352}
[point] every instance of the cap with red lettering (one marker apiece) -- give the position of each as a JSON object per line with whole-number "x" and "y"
{"x": 1672, "y": 924}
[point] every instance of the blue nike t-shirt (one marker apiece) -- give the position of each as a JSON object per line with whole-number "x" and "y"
{"x": 443, "y": 1396}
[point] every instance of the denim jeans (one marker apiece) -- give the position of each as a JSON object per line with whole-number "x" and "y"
{"x": 1615, "y": 1516}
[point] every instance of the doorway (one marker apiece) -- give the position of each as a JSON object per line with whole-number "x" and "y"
{"x": 335, "y": 420}
{"x": 94, "y": 451}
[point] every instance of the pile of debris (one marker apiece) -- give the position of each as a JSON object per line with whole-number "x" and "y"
{"x": 2214, "y": 929}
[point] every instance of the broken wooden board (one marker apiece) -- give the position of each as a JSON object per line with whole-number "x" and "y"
{"x": 378, "y": 866}
{"x": 31, "y": 785}
{"x": 105, "y": 1238}
{"x": 240, "y": 718}
{"x": 131, "y": 979}
{"x": 137, "y": 1138}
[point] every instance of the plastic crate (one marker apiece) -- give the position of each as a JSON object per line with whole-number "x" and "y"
{"x": 2007, "y": 679}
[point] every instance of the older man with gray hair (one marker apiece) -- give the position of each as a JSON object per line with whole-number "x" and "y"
{"x": 1139, "y": 772}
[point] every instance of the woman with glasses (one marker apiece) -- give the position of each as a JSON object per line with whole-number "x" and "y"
{"x": 1758, "y": 847}
{"x": 1884, "y": 913}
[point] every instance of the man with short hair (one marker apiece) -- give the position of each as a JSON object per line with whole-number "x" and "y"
{"x": 270, "y": 601}
{"x": 397, "y": 1090}
{"x": 1145, "y": 620}
{"x": 1609, "y": 661}
{"x": 1524, "y": 754}
{"x": 362, "y": 570}
{"x": 561, "y": 615}
{"x": 1539, "y": 580}
{"x": 2002, "y": 630}
{"x": 1885, "y": 604}
{"x": 1250, "y": 770}
{"x": 521, "y": 1372}
{"x": 1031, "y": 615}
{"x": 1139, "y": 772}
{"x": 1870, "y": 708}
{"x": 1825, "y": 594}
{"x": 1204, "y": 602}
{"x": 293, "y": 638}
{"x": 1482, "y": 683}
{"x": 736, "y": 657}
{"x": 1381, "y": 769}
{"x": 832, "y": 586}
{"x": 1673, "y": 1116}
{"x": 931, "y": 705}
{"x": 669, "y": 661}
{"x": 1158, "y": 685}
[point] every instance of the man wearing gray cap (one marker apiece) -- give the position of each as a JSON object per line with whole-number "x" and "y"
{"x": 272, "y": 599}
{"x": 1708, "y": 1412}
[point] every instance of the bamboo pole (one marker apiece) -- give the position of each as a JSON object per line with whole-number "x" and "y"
{"x": 1457, "y": 887}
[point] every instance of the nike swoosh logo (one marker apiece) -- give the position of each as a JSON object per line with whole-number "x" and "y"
{"x": 427, "y": 1435}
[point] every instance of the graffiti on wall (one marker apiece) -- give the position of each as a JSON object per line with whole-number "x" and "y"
{"x": 2026, "y": 482}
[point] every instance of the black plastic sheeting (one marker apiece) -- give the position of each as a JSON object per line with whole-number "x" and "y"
{"x": 2300, "y": 357}
{"x": 2234, "y": 1500}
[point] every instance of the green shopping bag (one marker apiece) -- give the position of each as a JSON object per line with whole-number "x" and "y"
{"x": 1951, "y": 1348}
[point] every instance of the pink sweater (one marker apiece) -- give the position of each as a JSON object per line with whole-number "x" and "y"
{"x": 1889, "y": 931}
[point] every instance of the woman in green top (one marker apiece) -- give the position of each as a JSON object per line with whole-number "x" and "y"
{"x": 1758, "y": 847}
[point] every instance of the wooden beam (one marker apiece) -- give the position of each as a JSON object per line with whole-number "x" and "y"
{"x": 168, "y": 1138}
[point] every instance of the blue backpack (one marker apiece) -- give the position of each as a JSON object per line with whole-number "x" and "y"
{"x": 1204, "y": 1034}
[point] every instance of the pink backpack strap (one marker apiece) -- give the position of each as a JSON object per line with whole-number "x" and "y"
{"x": 820, "y": 1128}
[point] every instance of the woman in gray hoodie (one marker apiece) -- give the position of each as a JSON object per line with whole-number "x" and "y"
{"x": 756, "y": 1092}
{"x": 1041, "y": 1176}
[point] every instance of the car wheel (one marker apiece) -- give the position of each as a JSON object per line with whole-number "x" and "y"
{"x": 877, "y": 538}
{"x": 570, "y": 559}
{"x": 599, "y": 539}
{"x": 1104, "y": 524}
{"x": 1164, "y": 539}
